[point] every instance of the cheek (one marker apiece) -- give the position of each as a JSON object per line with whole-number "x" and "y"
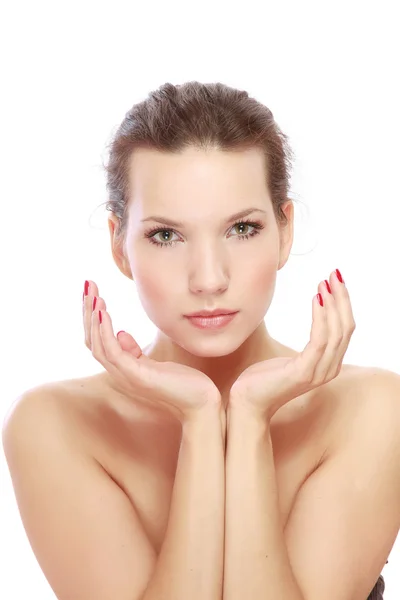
{"x": 156, "y": 293}
{"x": 150, "y": 288}
{"x": 261, "y": 281}
{"x": 263, "y": 274}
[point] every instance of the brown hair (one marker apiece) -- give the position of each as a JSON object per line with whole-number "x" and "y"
{"x": 201, "y": 115}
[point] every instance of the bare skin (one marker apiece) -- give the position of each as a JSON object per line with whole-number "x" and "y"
{"x": 204, "y": 266}
{"x": 140, "y": 452}
{"x": 136, "y": 444}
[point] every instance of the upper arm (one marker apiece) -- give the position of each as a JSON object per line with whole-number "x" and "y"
{"x": 83, "y": 530}
{"x": 346, "y": 516}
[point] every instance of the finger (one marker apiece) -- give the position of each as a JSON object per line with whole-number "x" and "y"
{"x": 96, "y": 303}
{"x": 345, "y": 311}
{"x": 87, "y": 309}
{"x": 330, "y": 361}
{"x": 306, "y": 362}
{"x": 97, "y": 346}
{"x": 127, "y": 364}
{"x": 90, "y": 290}
{"x": 343, "y": 302}
{"x": 129, "y": 344}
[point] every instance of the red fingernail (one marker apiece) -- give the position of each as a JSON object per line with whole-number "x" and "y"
{"x": 328, "y": 286}
{"x": 320, "y": 300}
{"x": 86, "y": 288}
{"x": 100, "y": 317}
{"x": 338, "y": 275}
{"x": 94, "y": 303}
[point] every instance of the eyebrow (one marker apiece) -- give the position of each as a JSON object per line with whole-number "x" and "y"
{"x": 166, "y": 221}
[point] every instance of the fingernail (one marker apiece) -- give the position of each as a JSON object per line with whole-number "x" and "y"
{"x": 339, "y": 276}
{"x": 122, "y": 331}
{"x": 100, "y": 317}
{"x": 94, "y": 303}
{"x": 320, "y": 300}
{"x": 328, "y": 286}
{"x": 86, "y": 288}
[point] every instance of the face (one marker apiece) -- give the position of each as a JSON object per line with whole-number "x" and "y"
{"x": 207, "y": 261}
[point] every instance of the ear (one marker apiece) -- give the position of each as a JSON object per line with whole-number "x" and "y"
{"x": 286, "y": 233}
{"x": 117, "y": 248}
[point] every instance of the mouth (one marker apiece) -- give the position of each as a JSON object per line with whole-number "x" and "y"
{"x": 212, "y": 313}
{"x": 212, "y": 322}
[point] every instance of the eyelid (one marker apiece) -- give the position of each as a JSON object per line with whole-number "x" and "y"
{"x": 257, "y": 225}
{"x": 243, "y": 220}
{"x": 245, "y": 214}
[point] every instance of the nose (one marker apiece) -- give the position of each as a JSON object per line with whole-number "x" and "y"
{"x": 208, "y": 275}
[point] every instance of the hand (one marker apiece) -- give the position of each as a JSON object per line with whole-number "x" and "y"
{"x": 266, "y": 386}
{"x": 180, "y": 390}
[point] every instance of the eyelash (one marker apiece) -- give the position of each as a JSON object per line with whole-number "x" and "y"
{"x": 258, "y": 225}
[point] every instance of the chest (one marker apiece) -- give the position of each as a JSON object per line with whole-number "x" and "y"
{"x": 142, "y": 458}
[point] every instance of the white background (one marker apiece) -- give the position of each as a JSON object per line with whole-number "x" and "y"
{"x": 71, "y": 70}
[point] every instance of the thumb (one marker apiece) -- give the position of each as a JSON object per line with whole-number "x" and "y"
{"x": 127, "y": 343}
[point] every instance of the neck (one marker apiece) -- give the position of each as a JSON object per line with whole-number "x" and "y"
{"x": 222, "y": 369}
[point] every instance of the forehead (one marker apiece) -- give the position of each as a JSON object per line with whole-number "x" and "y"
{"x": 197, "y": 176}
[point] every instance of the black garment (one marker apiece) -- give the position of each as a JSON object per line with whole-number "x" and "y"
{"x": 379, "y": 588}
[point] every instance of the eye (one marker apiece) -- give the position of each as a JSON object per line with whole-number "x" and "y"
{"x": 256, "y": 225}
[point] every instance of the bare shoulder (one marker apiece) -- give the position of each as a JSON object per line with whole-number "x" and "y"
{"x": 53, "y": 474}
{"x": 366, "y": 398}
{"x": 82, "y": 395}
{"x": 52, "y": 394}
{"x": 94, "y": 414}
{"x": 64, "y": 410}
{"x": 345, "y": 517}
{"x": 370, "y": 387}
{"x": 69, "y": 402}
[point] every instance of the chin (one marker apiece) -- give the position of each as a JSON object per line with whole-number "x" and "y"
{"x": 211, "y": 346}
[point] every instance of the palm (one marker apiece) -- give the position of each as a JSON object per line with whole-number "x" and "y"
{"x": 178, "y": 388}
{"x": 269, "y": 379}
{"x": 172, "y": 381}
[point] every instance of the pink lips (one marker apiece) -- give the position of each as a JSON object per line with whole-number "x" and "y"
{"x": 212, "y": 313}
{"x": 213, "y": 322}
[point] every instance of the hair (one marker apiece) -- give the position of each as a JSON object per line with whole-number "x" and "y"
{"x": 201, "y": 115}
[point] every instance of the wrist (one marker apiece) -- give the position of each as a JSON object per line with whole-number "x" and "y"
{"x": 239, "y": 410}
{"x": 205, "y": 419}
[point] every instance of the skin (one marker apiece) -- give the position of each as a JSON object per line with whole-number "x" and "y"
{"x": 207, "y": 265}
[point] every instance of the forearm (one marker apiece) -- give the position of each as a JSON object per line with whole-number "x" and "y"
{"x": 190, "y": 564}
{"x": 256, "y": 559}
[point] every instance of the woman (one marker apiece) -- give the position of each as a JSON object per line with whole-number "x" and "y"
{"x": 217, "y": 462}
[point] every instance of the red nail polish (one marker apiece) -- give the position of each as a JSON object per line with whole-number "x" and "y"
{"x": 339, "y": 276}
{"x": 100, "y": 317}
{"x": 320, "y": 300}
{"x": 86, "y": 288}
{"x": 94, "y": 303}
{"x": 328, "y": 286}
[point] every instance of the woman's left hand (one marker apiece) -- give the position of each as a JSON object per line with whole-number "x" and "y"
{"x": 266, "y": 386}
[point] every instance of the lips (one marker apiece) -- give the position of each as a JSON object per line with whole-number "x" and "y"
{"x": 215, "y": 322}
{"x": 215, "y": 313}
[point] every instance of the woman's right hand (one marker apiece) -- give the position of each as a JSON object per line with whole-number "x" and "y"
{"x": 180, "y": 390}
